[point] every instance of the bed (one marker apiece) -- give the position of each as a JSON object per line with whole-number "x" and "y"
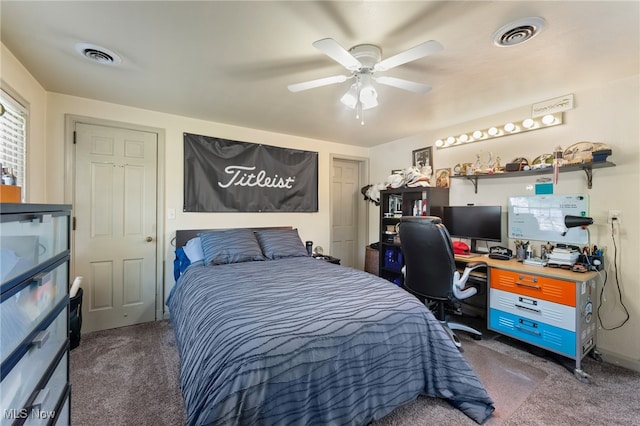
{"x": 268, "y": 335}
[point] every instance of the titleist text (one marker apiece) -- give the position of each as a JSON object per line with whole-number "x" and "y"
{"x": 244, "y": 176}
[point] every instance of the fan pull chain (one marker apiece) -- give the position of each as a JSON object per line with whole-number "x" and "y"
{"x": 359, "y": 110}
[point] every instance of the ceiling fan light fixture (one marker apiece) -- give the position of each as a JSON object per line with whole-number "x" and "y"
{"x": 363, "y": 61}
{"x": 362, "y": 94}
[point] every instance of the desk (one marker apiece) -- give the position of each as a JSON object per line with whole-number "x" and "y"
{"x": 551, "y": 308}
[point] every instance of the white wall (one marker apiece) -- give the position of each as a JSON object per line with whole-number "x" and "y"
{"x": 17, "y": 79}
{"x": 609, "y": 114}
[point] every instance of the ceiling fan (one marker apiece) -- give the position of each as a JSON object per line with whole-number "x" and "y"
{"x": 364, "y": 61}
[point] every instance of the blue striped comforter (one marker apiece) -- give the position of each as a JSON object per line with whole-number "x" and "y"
{"x": 299, "y": 341}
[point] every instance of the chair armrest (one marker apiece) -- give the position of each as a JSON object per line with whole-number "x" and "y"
{"x": 460, "y": 281}
{"x": 475, "y": 265}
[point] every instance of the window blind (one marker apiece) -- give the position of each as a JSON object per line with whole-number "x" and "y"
{"x": 13, "y": 137}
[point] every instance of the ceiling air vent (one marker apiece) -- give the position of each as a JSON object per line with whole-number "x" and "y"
{"x": 518, "y": 32}
{"x": 98, "y": 54}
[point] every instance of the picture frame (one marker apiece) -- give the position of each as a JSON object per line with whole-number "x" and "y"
{"x": 443, "y": 178}
{"x": 422, "y": 157}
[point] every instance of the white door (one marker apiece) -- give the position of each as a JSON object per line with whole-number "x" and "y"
{"x": 345, "y": 192}
{"x": 115, "y": 225}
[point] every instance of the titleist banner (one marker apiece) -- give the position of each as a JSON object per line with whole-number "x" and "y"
{"x": 222, "y": 175}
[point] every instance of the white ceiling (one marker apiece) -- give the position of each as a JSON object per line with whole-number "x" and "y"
{"x": 231, "y": 62}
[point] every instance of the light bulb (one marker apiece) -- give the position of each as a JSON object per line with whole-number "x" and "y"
{"x": 528, "y": 123}
{"x": 548, "y": 119}
{"x": 439, "y": 142}
{"x": 463, "y": 137}
{"x": 510, "y": 127}
{"x": 493, "y": 131}
{"x": 477, "y": 134}
{"x": 451, "y": 140}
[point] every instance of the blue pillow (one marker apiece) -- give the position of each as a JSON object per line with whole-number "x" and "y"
{"x": 180, "y": 263}
{"x": 280, "y": 243}
{"x": 230, "y": 246}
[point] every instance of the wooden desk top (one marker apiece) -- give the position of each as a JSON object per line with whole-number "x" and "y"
{"x": 545, "y": 271}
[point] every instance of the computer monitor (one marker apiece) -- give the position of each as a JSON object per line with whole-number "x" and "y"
{"x": 473, "y": 223}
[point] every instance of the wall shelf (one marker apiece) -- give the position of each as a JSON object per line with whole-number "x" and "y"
{"x": 586, "y": 167}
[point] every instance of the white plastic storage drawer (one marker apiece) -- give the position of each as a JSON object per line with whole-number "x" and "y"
{"x": 63, "y": 417}
{"x": 31, "y": 241}
{"x": 25, "y": 309}
{"x": 554, "y": 314}
{"x": 23, "y": 378}
{"x": 43, "y": 410}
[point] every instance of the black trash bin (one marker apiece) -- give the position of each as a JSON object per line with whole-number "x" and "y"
{"x": 75, "y": 318}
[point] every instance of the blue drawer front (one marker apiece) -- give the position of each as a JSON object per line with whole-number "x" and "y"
{"x": 534, "y": 332}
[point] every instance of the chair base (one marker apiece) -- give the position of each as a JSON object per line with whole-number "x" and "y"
{"x": 450, "y": 326}
{"x": 438, "y": 308}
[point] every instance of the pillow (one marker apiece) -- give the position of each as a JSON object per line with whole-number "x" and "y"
{"x": 193, "y": 249}
{"x": 279, "y": 243}
{"x": 230, "y": 246}
{"x": 180, "y": 263}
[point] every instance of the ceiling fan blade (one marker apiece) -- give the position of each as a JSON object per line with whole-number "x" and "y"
{"x": 312, "y": 84}
{"x": 416, "y": 52}
{"x": 332, "y": 49}
{"x": 411, "y": 86}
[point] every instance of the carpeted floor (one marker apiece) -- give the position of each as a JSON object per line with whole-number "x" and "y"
{"x": 129, "y": 376}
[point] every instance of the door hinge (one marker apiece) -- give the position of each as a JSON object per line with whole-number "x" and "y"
{"x": 73, "y": 224}
{"x": 74, "y": 137}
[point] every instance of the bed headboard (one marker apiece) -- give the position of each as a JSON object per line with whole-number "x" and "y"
{"x": 184, "y": 235}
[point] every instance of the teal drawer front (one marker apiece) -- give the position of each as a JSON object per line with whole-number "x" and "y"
{"x": 537, "y": 333}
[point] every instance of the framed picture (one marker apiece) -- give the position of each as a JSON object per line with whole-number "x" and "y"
{"x": 442, "y": 178}
{"x": 422, "y": 157}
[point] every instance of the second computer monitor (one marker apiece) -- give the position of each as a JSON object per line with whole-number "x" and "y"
{"x": 473, "y": 223}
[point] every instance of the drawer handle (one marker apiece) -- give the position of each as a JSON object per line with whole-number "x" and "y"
{"x": 526, "y": 330}
{"x": 528, "y": 308}
{"x": 41, "y": 398}
{"x": 535, "y": 287}
{"x": 40, "y": 339}
{"x": 42, "y": 278}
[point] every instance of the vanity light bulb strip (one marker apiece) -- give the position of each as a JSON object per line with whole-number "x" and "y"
{"x": 506, "y": 129}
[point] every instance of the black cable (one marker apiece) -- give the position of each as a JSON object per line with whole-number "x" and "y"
{"x": 615, "y": 267}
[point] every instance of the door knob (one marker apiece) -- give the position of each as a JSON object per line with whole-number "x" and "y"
{"x": 149, "y": 239}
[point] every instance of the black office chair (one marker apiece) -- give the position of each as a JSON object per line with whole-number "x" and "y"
{"x": 430, "y": 269}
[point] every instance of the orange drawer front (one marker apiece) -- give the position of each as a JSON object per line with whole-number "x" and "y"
{"x": 551, "y": 289}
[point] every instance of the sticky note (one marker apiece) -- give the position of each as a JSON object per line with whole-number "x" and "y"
{"x": 544, "y": 188}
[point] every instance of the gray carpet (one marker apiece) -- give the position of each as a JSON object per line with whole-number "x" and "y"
{"x": 129, "y": 376}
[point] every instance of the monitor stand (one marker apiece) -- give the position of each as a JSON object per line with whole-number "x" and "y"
{"x": 474, "y": 247}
